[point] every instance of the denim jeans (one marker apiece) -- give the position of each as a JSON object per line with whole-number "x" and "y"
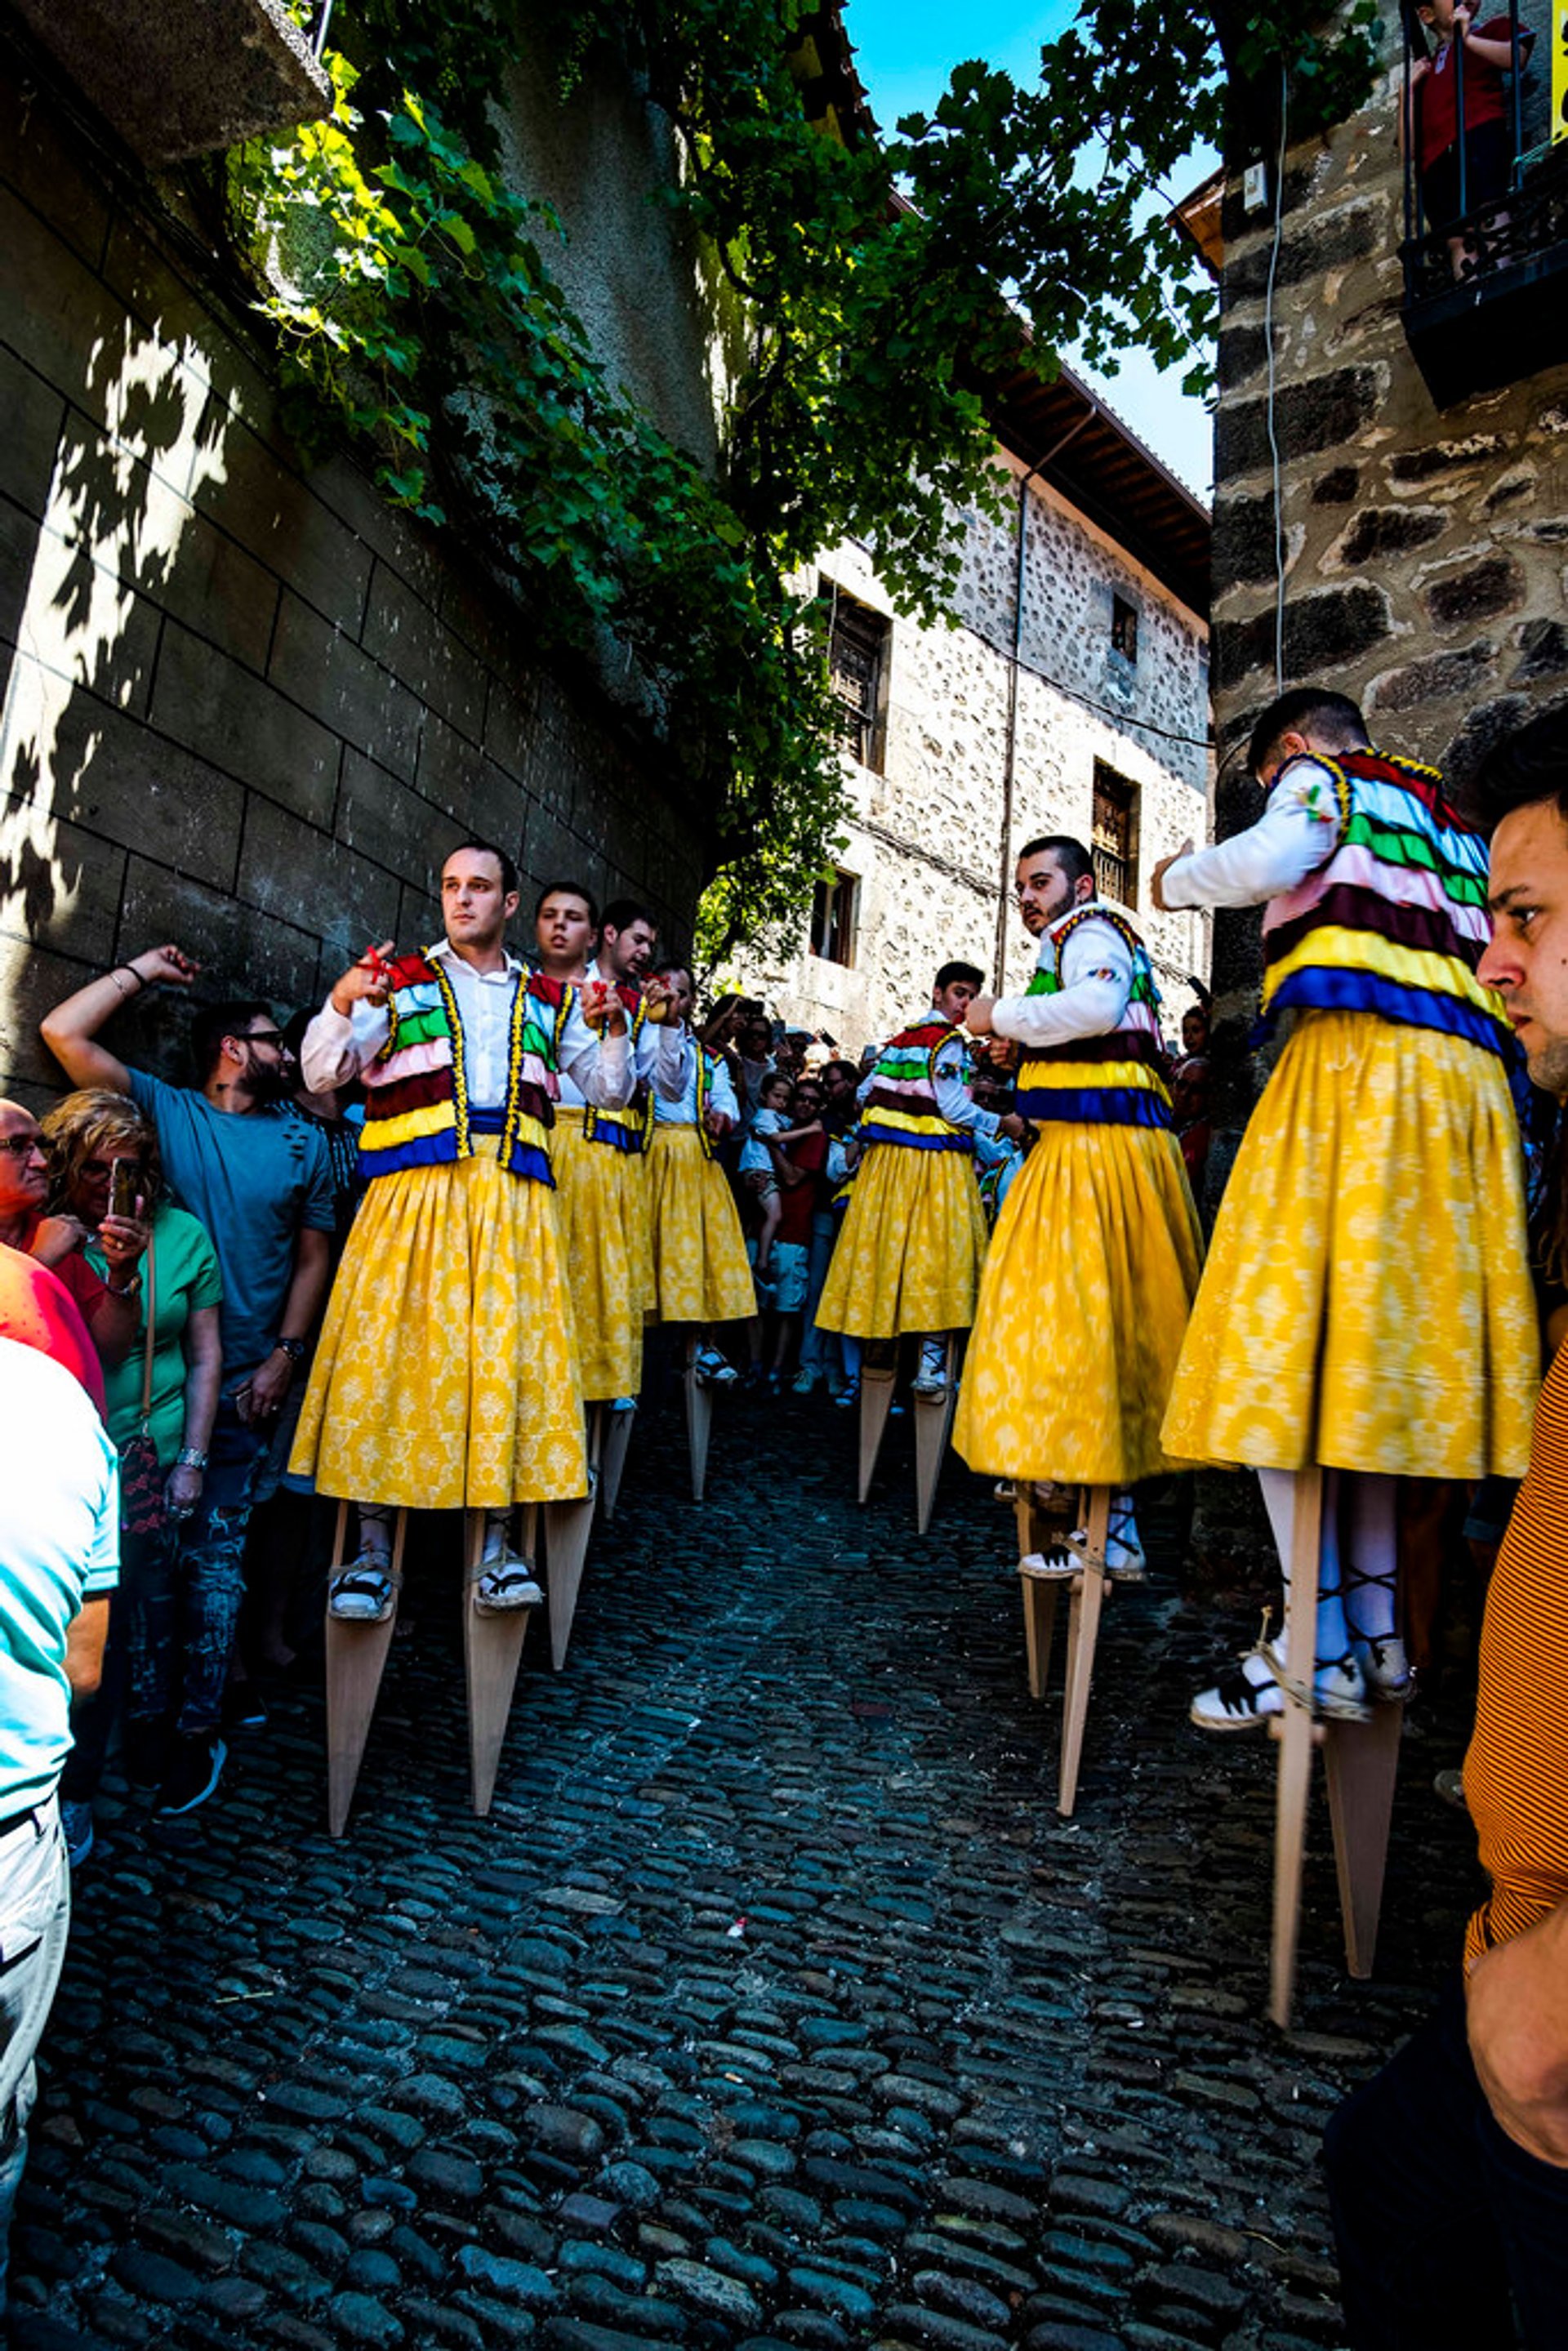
{"x": 35, "y": 1920}
{"x": 184, "y": 1591}
{"x": 1451, "y": 2237}
{"x": 820, "y": 1350}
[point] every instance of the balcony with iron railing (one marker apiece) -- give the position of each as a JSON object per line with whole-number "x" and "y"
{"x": 1486, "y": 210}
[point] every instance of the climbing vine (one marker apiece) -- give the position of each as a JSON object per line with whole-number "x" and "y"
{"x": 869, "y": 291}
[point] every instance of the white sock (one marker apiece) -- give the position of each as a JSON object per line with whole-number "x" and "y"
{"x": 1279, "y": 1488}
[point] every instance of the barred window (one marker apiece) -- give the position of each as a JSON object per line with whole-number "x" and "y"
{"x": 1113, "y": 840}
{"x": 857, "y": 653}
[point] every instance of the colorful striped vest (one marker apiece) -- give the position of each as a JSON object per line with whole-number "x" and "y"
{"x": 1395, "y": 922}
{"x": 627, "y": 1129}
{"x": 901, "y": 1107}
{"x": 416, "y": 1090}
{"x": 1117, "y": 1080}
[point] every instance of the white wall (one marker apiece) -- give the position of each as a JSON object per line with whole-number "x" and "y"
{"x": 926, "y": 837}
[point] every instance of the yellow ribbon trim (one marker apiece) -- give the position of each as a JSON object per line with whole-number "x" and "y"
{"x": 1338, "y": 949}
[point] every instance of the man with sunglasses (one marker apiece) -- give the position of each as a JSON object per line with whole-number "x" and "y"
{"x": 257, "y": 1176}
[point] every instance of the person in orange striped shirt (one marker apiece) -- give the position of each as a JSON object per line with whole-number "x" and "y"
{"x": 1448, "y": 2172}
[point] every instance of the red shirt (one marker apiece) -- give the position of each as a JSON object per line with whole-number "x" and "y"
{"x": 36, "y": 1308}
{"x": 1437, "y": 95}
{"x": 798, "y": 1202}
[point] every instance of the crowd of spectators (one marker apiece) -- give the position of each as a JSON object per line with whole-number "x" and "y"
{"x": 793, "y": 1158}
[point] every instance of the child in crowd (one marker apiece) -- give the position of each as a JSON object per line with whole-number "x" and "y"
{"x": 769, "y": 1128}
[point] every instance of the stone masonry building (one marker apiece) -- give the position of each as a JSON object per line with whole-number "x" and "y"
{"x": 245, "y": 706}
{"x": 1421, "y": 490}
{"x": 1070, "y": 696}
{"x": 1423, "y": 534}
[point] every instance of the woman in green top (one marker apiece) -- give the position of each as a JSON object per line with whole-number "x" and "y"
{"x": 155, "y": 1623}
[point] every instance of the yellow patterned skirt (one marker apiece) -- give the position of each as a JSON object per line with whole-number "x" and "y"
{"x": 700, "y": 1273}
{"x": 1366, "y": 1301}
{"x": 1085, "y": 1295}
{"x": 446, "y": 1373}
{"x": 601, "y": 1198}
{"x": 908, "y": 1257}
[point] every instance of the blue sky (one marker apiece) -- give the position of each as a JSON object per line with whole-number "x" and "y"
{"x": 905, "y": 49}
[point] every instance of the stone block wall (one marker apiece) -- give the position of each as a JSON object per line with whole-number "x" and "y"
{"x": 925, "y": 842}
{"x": 245, "y": 706}
{"x": 1424, "y": 552}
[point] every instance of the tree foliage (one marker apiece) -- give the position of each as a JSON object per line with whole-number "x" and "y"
{"x": 881, "y": 286}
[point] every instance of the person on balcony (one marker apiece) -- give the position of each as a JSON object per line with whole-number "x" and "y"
{"x": 1459, "y": 177}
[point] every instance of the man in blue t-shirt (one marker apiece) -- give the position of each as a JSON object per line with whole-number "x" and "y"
{"x": 239, "y": 1157}
{"x": 60, "y": 1560}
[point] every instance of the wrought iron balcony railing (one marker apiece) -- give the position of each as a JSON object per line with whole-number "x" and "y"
{"x": 1486, "y": 224}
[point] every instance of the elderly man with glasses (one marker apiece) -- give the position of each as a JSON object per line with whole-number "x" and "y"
{"x": 238, "y": 1158}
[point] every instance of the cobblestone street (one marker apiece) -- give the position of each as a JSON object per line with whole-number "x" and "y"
{"x": 773, "y": 2005}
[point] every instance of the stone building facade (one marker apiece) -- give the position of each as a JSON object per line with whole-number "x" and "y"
{"x": 247, "y": 707}
{"x": 1111, "y": 689}
{"x": 1424, "y": 548}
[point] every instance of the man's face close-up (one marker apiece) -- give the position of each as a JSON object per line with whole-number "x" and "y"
{"x": 24, "y": 1163}
{"x": 565, "y": 927}
{"x": 628, "y": 953}
{"x": 1527, "y": 961}
{"x": 1042, "y": 890}
{"x": 474, "y": 906}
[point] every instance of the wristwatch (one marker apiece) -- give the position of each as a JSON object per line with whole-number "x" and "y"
{"x": 190, "y": 1458}
{"x": 132, "y": 1289}
{"x": 293, "y": 1348}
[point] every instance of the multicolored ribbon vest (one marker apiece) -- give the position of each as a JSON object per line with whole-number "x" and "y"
{"x": 901, "y": 1107}
{"x": 1117, "y": 1080}
{"x": 628, "y": 1129}
{"x": 1395, "y": 922}
{"x": 417, "y": 1112}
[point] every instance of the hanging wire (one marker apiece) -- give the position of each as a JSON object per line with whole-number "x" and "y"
{"x": 1270, "y": 418}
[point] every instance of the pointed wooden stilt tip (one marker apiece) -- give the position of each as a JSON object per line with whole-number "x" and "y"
{"x": 876, "y": 1402}
{"x": 356, "y": 1658}
{"x": 568, "y": 1526}
{"x": 492, "y": 1650}
{"x": 612, "y": 1458}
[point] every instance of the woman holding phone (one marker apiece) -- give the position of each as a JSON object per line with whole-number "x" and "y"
{"x": 161, "y": 1404}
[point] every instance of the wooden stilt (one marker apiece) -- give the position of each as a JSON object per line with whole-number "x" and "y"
{"x": 876, "y": 1402}
{"x": 1039, "y": 1596}
{"x": 933, "y": 1426}
{"x": 699, "y": 1420}
{"x": 492, "y": 1646}
{"x": 616, "y": 1438}
{"x": 1293, "y": 1728}
{"x": 356, "y": 1661}
{"x": 568, "y": 1526}
{"x": 1088, "y": 1590}
{"x": 1361, "y": 1760}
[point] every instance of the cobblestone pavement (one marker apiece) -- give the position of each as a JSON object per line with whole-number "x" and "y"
{"x": 773, "y": 2005}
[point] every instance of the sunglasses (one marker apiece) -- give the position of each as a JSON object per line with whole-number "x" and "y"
{"x": 22, "y": 1146}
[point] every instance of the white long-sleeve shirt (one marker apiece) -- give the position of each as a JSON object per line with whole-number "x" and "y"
{"x": 675, "y": 1084}
{"x": 1096, "y": 983}
{"x": 1297, "y": 832}
{"x": 653, "y": 1046}
{"x": 338, "y": 1047}
{"x": 949, "y": 1067}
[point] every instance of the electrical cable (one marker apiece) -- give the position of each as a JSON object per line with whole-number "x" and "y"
{"x": 1269, "y": 412}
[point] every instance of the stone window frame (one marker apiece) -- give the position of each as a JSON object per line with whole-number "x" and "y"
{"x": 1113, "y": 838}
{"x": 835, "y": 918}
{"x": 860, "y": 641}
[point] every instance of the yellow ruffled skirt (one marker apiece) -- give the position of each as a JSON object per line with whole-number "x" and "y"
{"x": 700, "y": 1273}
{"x": 908, "y": 1257}
{"x": 1367, "y": 1303}
{"x": 446, "y": 1373}
{"x": 1085, "y": 1295}
{"x": 602, "y": 1199}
